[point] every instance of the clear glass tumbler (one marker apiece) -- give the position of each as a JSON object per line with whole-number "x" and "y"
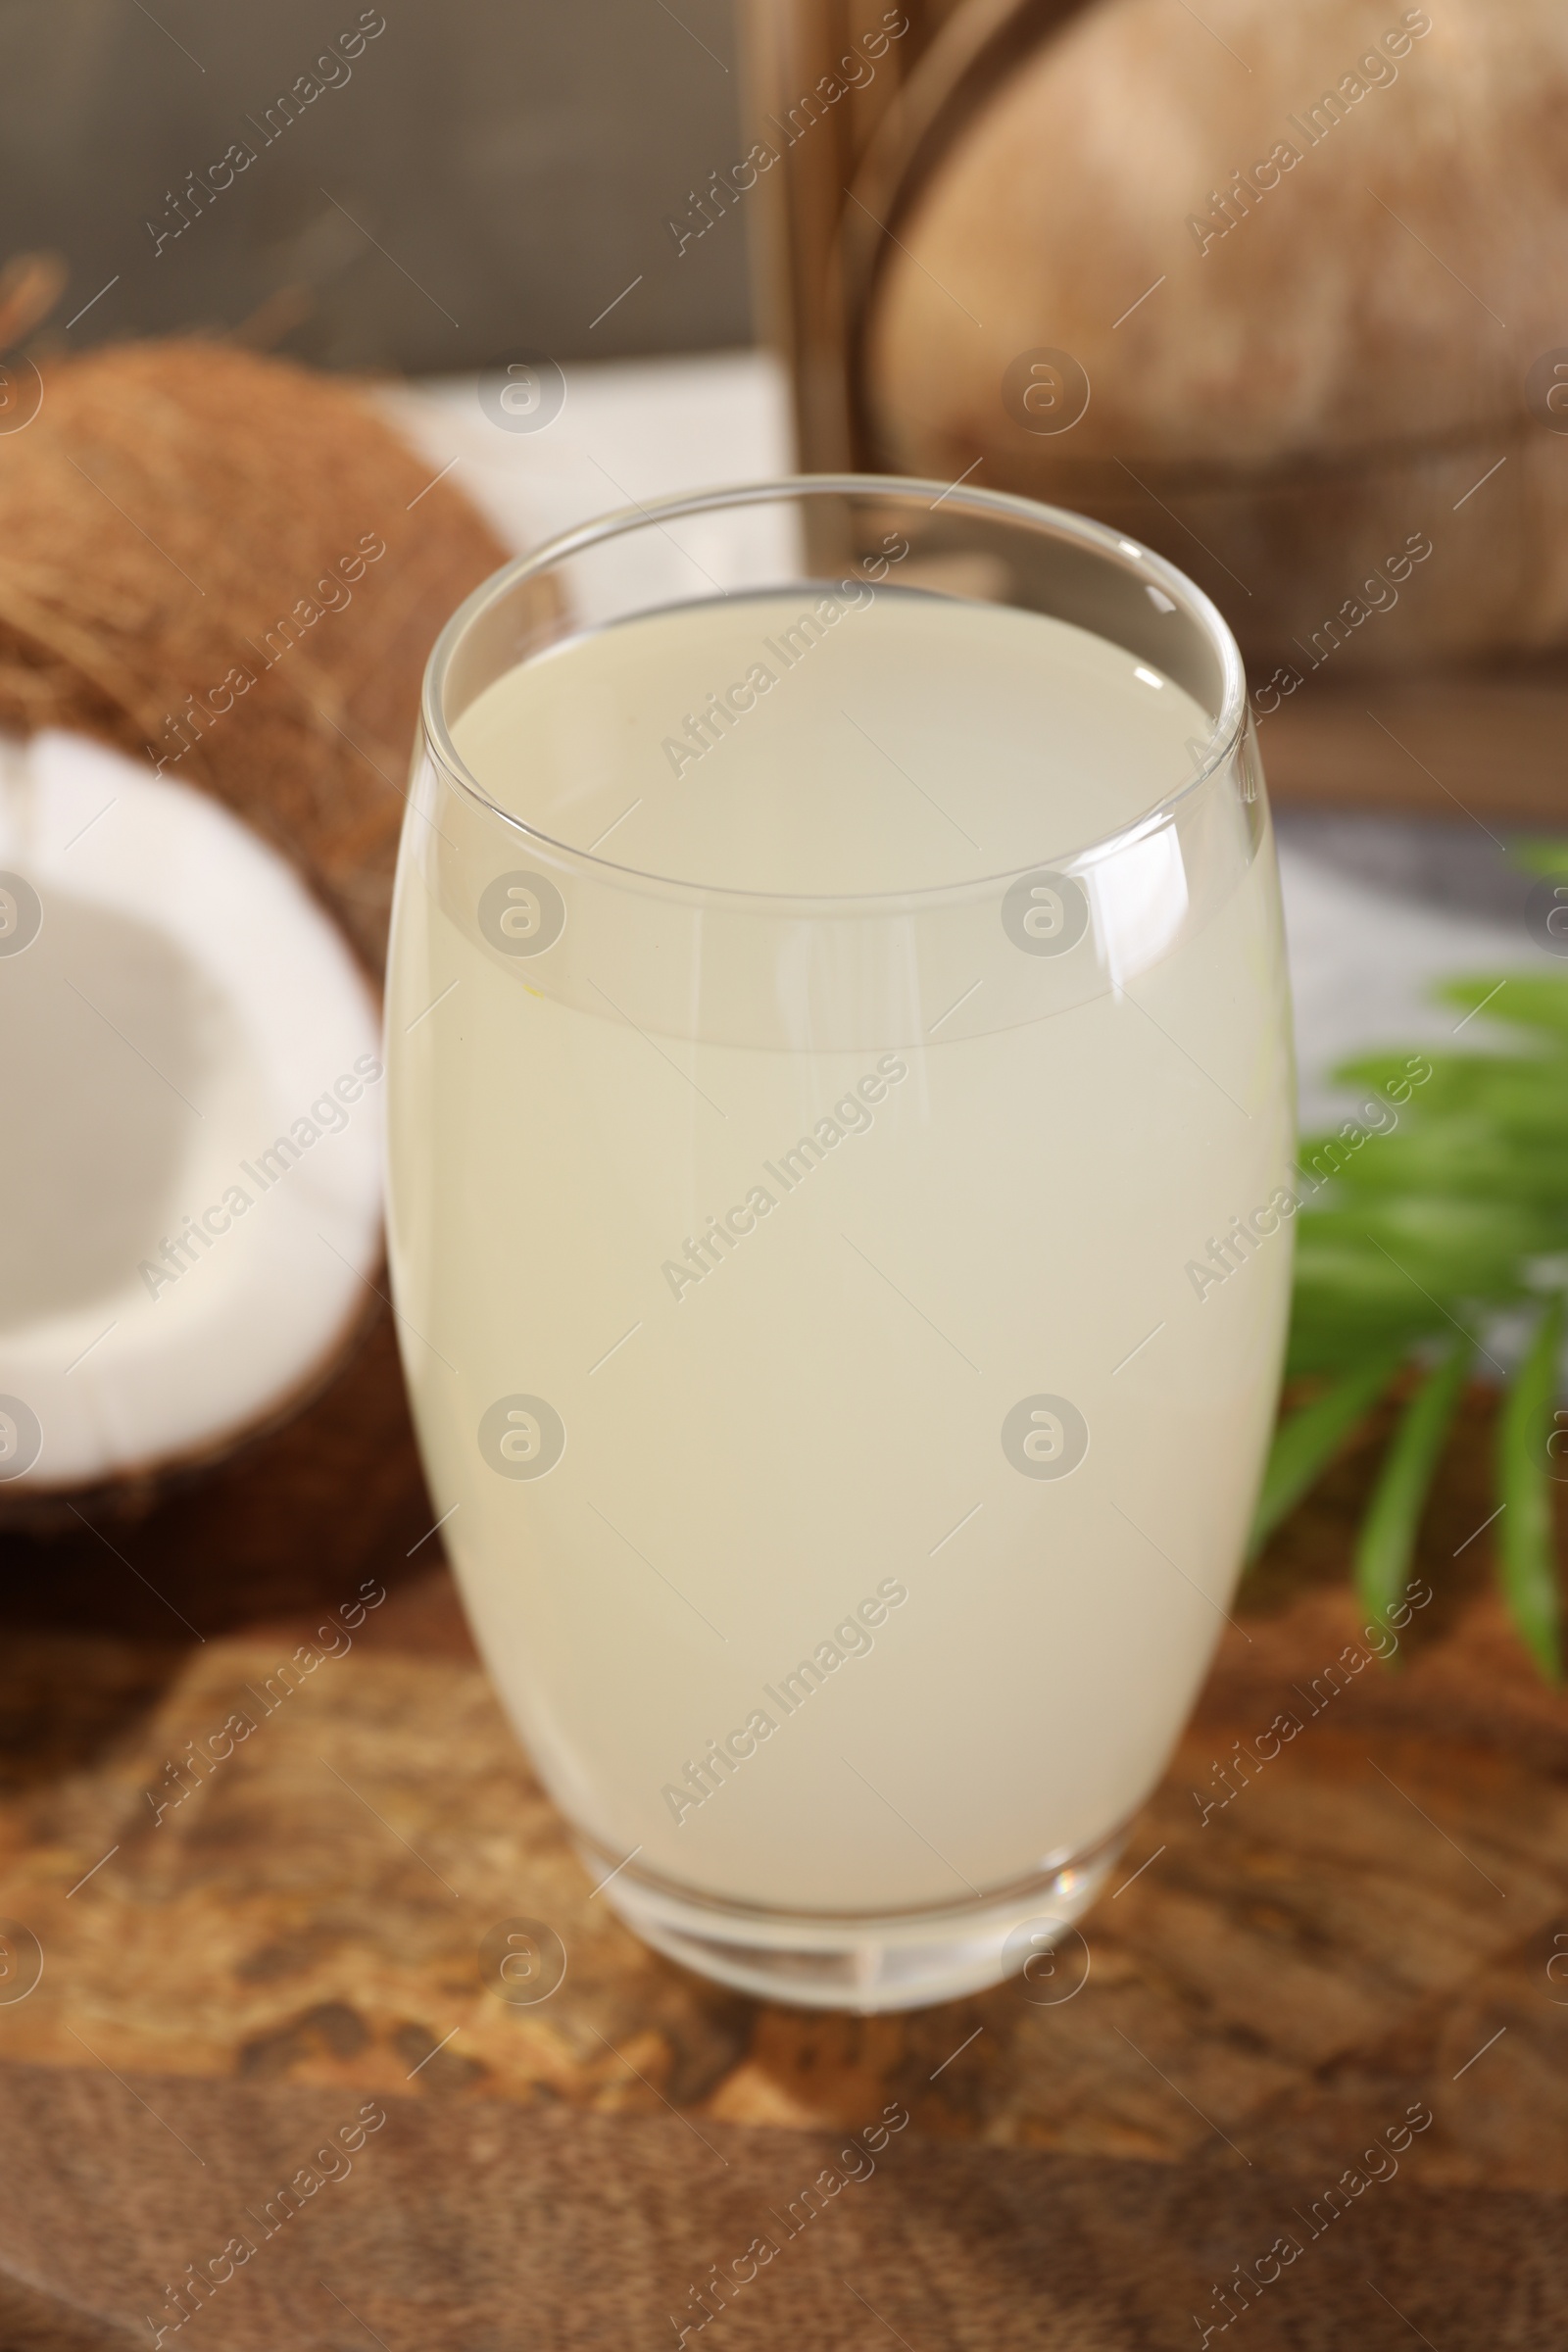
{"x": 841, "y": 1103}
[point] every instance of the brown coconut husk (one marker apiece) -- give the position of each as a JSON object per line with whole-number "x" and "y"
{"x": 181, "y": 515}
{"x": 168, "y": 509}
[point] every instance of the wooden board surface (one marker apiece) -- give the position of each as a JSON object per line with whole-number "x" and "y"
{"x": 1370, "y": 1920}
{"x": 1494, "y": 748}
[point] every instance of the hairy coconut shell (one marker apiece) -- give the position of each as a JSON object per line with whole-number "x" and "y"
{"x": 179, "y": 517}
{"x": 176, "y": 519}
{"x": 1278, "y": 401}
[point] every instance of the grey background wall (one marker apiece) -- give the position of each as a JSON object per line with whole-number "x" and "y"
{"x": 483, "y": 175}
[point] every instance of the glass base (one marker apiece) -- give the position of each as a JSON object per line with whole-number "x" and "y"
{"x": 874, "y": 1960}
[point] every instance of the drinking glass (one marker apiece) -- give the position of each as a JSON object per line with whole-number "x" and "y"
{"x": 841, "y": 1109}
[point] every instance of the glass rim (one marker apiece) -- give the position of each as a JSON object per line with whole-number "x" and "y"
{"x": 997, "y": 504}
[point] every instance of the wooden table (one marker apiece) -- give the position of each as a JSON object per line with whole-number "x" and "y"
{"x": 1370, "y": 1922}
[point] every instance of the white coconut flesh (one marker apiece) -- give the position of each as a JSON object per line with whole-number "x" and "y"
{"x": 190, "y": 1165}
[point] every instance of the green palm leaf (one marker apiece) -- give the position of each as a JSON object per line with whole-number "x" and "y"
{"x": 1437, "y": 1209}
{"x": 1305, "y": 1443}
{"x": 1387, "y": 1543}
{"x": 1525, "y": 1547}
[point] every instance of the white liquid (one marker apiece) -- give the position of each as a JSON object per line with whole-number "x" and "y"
{"x": 816, "y": 1423}
{"x": 914, "y": 742}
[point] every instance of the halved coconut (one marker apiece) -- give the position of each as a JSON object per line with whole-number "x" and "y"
{"x": 190, "y": 1072}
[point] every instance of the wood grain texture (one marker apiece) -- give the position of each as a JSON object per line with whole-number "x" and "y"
{"x": 476, "y": 2226}
{"x": 1284, "y": 1975}
{"x": 1430, "y": 746}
